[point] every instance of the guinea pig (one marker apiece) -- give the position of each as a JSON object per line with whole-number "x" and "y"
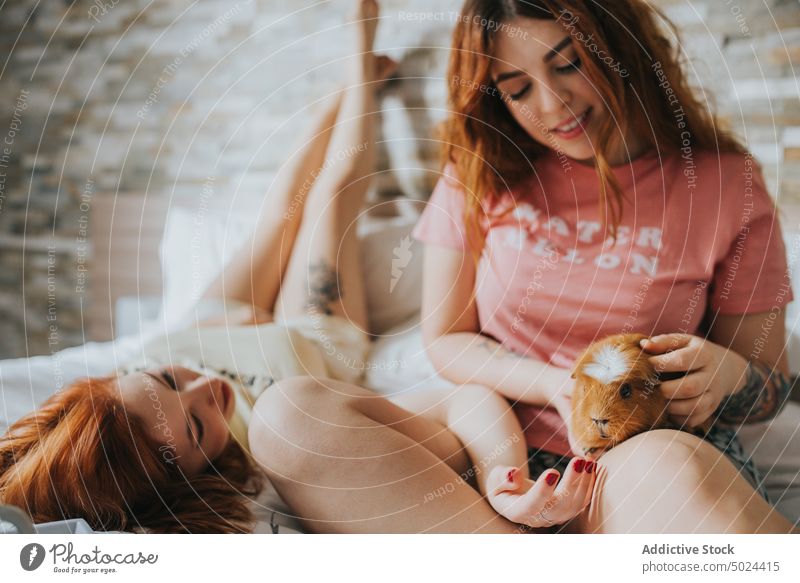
{"x": 617, "y": 394}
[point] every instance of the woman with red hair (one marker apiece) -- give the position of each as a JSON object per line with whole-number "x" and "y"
{"x": 162, "y": 446}
{"x": 586, "y": 192}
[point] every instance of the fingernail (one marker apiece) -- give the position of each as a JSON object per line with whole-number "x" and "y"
{"x": 551, "y": 478}
{"x": 510, "y": 475}
{"x": 589, "y": 467}
{"x": 578, "y": 465}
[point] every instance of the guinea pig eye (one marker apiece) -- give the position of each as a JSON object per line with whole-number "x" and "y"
{"x": 625, "y": 391}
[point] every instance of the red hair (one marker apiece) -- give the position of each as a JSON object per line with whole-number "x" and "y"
{"x": 82, "y": 455}
{"x": 490, "y": 150}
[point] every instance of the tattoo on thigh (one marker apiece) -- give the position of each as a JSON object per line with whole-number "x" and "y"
{"x": 323, "y": 287}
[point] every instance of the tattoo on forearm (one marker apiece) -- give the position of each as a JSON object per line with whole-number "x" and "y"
{"x": 323, "y": 287}
{"x": 763, "y": 396}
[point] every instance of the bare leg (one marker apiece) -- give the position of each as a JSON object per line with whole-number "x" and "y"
{"x": 324, "y": 274}
{"x": 673, "y": 482}
{"x": 254, "y": 276}
{"x": 347, "y": 460}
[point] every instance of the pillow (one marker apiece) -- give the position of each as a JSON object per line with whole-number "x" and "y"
{"x": 193, "y": 252}
{"x": 25, "y": 383}
{"x": 392, "y": 266}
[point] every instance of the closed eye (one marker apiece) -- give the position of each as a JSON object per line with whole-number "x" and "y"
{"x": 521, "y": 93}
{"x": 200, "y": 431}
{"x": 565, "y": 70}
{"x": 170, "y": 380}
{"x": 570, "y": 68}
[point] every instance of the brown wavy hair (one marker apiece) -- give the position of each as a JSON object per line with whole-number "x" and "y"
{"x": 82, "y": 455}
{"x": 492, "y": 153}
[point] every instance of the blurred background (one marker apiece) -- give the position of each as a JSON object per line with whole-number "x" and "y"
{"x": 112, "y": 111}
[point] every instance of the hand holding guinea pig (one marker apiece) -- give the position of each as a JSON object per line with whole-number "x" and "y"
{"x": 714, "y": 373}
{"x": 620, "y": 390}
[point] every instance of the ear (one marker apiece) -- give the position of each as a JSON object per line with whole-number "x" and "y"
{"x": 572, "y": 376}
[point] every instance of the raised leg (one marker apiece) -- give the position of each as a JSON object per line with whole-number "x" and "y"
{"x": 324, "y": 273}
{"x": 254, "y": 275}
{"x": 337, "y": 187}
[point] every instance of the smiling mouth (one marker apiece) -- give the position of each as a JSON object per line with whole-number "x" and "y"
{"x": 572, "y": 127}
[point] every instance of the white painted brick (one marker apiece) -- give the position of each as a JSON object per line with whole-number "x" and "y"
{"x": 791, "y": 137}
{"x": 771, "y": 153}
{"x": 755, "y": 89}
{"x": 688, "y": 13}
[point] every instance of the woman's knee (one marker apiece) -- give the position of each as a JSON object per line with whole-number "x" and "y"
{"x": 298, "y": 418}
{"x": 284, "y": 420}
{"x": 668, "y": 457}
{"x": 644, "y": 473}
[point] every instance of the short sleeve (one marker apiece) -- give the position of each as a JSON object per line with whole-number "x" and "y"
{"x": 442, "y": 221}
{"x": 753, "y": 275}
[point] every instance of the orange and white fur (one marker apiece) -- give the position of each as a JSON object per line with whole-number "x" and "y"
{"x": 616, "y": 395}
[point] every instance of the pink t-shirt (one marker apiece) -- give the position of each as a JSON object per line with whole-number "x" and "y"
{"x": 698, "y": 233}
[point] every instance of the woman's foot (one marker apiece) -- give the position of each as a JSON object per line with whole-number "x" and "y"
{"x": 364, "y": 26}
{"x": 545, "y": 502}
{"x": 365, "y": 17}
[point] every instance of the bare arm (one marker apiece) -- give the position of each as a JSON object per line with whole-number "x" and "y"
{"x": 478, "y": 415}
{"x": 481, "y": 420}
{"x": 457, "y": 349}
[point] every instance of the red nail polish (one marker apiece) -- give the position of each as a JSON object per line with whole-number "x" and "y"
{"x": 510, "y": 475}
{"x": 589, "y": 467}
{"x": 578, "y": 465}
{"x": 551, "y": 478}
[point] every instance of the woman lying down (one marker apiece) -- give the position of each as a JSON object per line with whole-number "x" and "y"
{"x": 177, "y": 442}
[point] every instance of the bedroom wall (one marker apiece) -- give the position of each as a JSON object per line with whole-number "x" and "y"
{"x": 105, "y": 98}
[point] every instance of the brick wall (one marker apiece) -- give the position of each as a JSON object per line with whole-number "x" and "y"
{"x": 103, "y": 97}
